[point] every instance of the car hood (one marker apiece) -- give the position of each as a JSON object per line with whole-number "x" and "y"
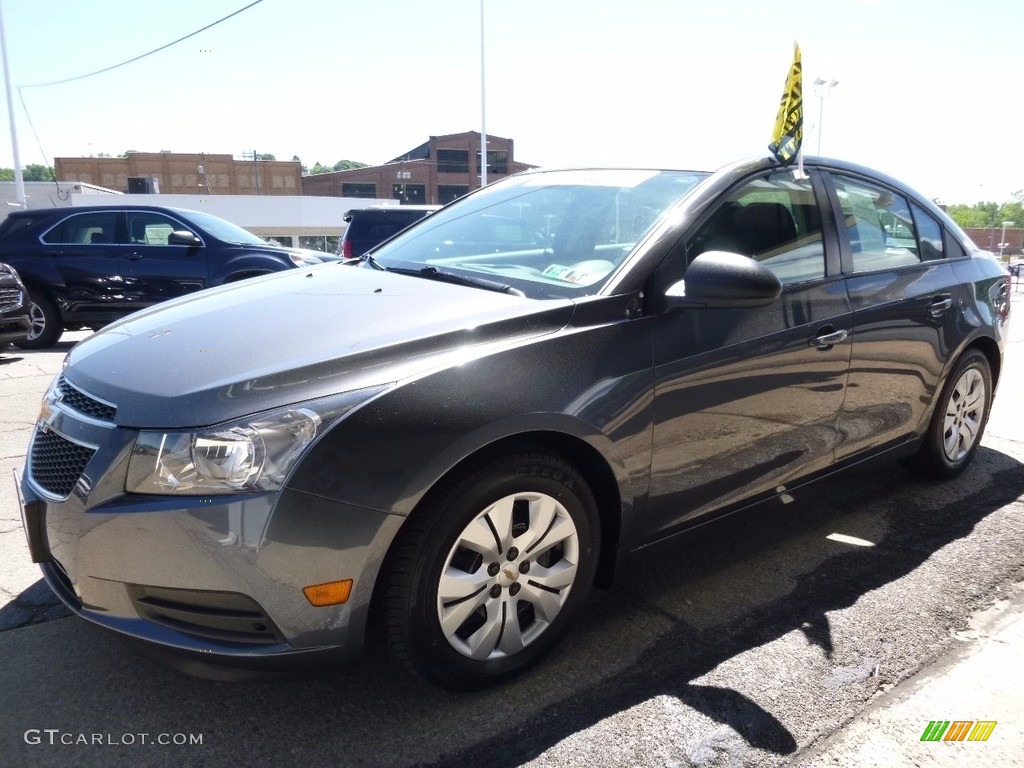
{"x": 293, "y": 336}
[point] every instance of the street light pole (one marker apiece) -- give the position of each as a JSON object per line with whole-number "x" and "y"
{"x": 1002, "y": 237}
{"x": 822, "y": 89}
{"x": 19, "y": 179}
{"x": 483, "y": 105}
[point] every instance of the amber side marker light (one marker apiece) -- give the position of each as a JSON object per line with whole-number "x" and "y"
{"x": 331, "y": 593}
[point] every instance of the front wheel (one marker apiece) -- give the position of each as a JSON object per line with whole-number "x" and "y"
{"x": 959, "y": 420}
{"x": 46, "y": 326}
{"x": 490, "y": 570}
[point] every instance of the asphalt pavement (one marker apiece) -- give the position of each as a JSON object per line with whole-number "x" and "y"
{"x": 770, "y": 643}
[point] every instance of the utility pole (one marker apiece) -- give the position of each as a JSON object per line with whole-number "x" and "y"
{"x": 19, "y": 179}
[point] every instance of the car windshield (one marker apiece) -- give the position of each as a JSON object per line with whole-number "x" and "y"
{"x": 224, "y": 230}
{"x": 552, "y": 234}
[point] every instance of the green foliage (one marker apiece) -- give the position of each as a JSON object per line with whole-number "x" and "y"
{"x": 31, "y": 172}
{"x": 988, "y": 215}
{"x": 341, "y": 165}
{"x": 347, "y": 165}
{"x": 265, "y": 156}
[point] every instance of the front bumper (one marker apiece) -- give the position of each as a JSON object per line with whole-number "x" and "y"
{"x": 212, "y": 585}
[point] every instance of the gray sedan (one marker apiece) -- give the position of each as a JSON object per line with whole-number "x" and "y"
{"x": 446, "y": 445}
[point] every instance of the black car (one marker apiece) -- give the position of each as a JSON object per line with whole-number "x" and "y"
{"x": 455, "y": 439}
{"x": 15, "y": 325}
{"x": 369, "y": 227}
{"x": 88, "y": 266}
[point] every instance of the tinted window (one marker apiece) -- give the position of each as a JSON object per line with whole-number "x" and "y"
{"x": 954, "y": 249}
{"x": 878, "y": 222}
{"x": 929, "y": 235}
{"x": 85, "y": 228}
{"x": 145, "y": 228}
{"x": 774, "y": 220}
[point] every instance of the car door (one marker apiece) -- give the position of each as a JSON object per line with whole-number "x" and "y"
{"x": 157, "y": 268}
{"x": 747, "y": 400}
{"x": 84, "y": 249}
{"x": 904, "y": 294}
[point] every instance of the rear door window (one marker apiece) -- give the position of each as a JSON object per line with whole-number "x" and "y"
{"x": 98, "y": 228}
{"x": 879, "y": 225}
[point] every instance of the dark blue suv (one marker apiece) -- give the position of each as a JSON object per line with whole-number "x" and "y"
{"x": 85, "y": 267}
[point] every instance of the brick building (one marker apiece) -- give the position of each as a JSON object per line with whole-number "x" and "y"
{"x": 179, "y": 173}
{"x": 989, "y": 239}
{"x": 436, "y": 172}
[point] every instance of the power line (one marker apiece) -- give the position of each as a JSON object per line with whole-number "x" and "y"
{"x": 144, "y": 55}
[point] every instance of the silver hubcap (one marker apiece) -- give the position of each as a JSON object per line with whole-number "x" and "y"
{"x": 965, "y": 410}
{"x": 37, "y": 320}
{"x": 508, "y": 576}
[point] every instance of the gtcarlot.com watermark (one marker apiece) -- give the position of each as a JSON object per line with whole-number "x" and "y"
{"x": 57, "y": 737}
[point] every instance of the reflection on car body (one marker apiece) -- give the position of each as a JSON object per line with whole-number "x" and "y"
{"x": 561, "y": 369}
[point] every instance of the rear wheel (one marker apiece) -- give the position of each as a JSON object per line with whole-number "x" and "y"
{"x": 490, "y": 570}
{"x": 46, "y": 325}
{"x": 959, "y": 419}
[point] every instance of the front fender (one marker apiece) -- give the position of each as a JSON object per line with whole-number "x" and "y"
{"x": 591, "y": 385}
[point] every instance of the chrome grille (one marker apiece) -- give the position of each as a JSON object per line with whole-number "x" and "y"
{"x": 76, "y": 399}
{"x": 10, "y": 298}
{"x": 57, "y": 463}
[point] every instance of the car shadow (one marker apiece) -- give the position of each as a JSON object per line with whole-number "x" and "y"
{"x": 678, "y": 614}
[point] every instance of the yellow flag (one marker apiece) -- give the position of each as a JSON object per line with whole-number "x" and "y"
{"x": 789, "y": 125}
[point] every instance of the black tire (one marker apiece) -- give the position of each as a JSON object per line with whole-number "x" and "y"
{"x": 959, "y": 420}
{"x": 546, "y": 514}
{"x": 47, "y": 326}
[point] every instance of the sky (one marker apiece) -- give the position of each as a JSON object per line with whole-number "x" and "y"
{"x": 929, "y": 91}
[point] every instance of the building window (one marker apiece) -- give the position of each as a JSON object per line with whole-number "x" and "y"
{"x": 352, "y": 189}
{"x": 452, "y": 161}
{"x": 322, "y": 243}
{"x": 409, "y": 194}
{"x": 448, "y": 192}
{"x": 497, "y": 160}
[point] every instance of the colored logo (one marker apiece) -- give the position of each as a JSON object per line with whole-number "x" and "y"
{"x": 958, "y": 730}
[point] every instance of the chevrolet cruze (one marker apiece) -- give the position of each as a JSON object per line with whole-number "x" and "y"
{"x": 453, "y": 439}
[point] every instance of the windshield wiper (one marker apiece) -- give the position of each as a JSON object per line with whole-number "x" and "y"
{"x": 433, "y": 273}
{"x": 372, "y": 262}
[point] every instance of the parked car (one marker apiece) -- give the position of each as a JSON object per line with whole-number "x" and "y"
{"x": 14, "y": 314}
{"x": 369, "y": 227}
{"x": 88, "y": 266}
{"x": 632, "y": 354}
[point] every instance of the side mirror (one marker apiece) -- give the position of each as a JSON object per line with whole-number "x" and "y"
{"x": 721, "y": 280}
{"x": 183, "y": 237}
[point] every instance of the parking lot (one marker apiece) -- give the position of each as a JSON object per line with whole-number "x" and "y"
{"x": 748, "y": 644}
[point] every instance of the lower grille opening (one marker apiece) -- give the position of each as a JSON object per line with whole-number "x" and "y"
{"x": 224, "y": 616}
{"x": 57, "y": 463}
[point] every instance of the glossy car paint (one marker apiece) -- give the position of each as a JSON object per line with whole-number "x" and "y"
{"x": 673, "y": 416}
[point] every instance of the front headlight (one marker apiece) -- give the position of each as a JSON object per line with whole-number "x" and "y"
{"x": 251, "y": 454}
{"x": 304, "y": 258}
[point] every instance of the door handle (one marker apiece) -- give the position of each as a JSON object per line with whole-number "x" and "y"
{"x": 939, "y": 305}
{"x": 135, "y": 256}
{"x": 828, "y": 340}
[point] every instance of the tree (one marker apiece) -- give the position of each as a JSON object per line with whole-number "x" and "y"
{"x": 346, "y": 165}
{"x": 6, "y": 174}
{"x": 37, "y": 172}
{"x": 987, "y": 215}
{"x": 265, "y": 156}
